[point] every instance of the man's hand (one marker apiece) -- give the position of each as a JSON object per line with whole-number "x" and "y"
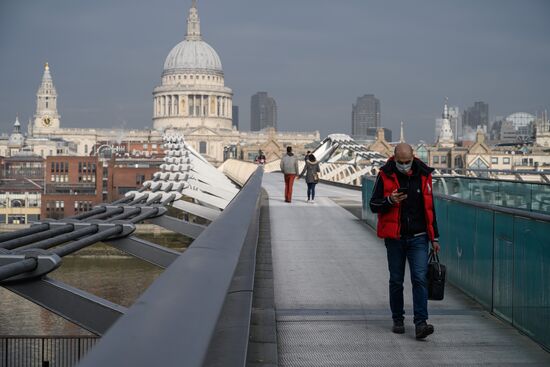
{"x": 436, "y": 246}
{"x": 397, "y": 197}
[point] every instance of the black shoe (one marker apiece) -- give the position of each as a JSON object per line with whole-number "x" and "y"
{"x": 423, "y": 330}
{"x": 398, "y": 327}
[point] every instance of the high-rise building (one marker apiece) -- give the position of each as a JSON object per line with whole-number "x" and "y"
{"x": 236, "y": 117}
{"x": 456, "y": 121}
{"x": 263, "y": 112}
{"x": 365, "y": 117}
{"x": 477, "y": 115}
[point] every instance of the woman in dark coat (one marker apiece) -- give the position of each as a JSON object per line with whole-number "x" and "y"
{"x": 311, "y": 171}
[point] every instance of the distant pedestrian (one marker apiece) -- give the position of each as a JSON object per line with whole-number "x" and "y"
{"x": 403, "y": 198}
{"x": 307, "y": 155}
{"x": 260, "y": 158}
{"x": 289, "y": 166}
{"x": 311, "y": 170}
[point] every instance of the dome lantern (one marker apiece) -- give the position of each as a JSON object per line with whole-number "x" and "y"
{"x": 193, "y": 54}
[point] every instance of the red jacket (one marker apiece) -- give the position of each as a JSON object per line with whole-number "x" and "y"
{"x": 389, "y": 220}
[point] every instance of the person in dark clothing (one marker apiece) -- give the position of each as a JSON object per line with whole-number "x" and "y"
{"x": 306, "y": 157}
{"x": 403, "y": 198}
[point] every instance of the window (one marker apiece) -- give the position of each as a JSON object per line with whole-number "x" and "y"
{"x": 494, "y": 160}
{"x": 479, "y": 164}
{"x": 85, "y": 148}
{"x": 436, "y": 159}
{"x": 140, "y": 179}
{"x": 506, "y": 160}
{"x": 55, "y": 209}
{"x": 202, "y": 147}
{"x": 444, "y": 159}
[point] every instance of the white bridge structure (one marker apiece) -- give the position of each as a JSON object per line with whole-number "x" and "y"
{"x": 342, "y": 160}
{"x": 345, "y": 161}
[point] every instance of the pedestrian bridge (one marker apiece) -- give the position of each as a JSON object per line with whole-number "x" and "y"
{"x": 269, "y": 283}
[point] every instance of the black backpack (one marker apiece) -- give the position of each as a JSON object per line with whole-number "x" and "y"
{"x": 436, "y": 278}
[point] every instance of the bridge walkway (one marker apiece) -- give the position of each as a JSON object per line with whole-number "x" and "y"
{"x": 331, "y": 299}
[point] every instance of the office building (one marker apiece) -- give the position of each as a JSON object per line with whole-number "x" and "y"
{"x": 236, "y": 117}
{"x": 263, "y": 112}
{"x": 365, "y": 117}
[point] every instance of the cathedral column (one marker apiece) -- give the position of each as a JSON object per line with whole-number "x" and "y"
{"x": 183, "y": 105}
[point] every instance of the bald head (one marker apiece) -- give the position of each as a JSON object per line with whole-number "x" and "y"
{"x": 403, "y": 152}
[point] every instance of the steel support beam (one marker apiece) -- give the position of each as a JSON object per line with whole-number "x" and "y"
{"x": 198, "y": 210}
{"x": 151, "y": 252}
{"x": 84, "y": 309}
{"x": 180, "y": 226}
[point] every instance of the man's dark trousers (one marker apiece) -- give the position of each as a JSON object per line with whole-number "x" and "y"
{"x": 415, "y": 250}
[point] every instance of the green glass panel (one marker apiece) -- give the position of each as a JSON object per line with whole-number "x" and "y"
{"x": 540, "y": 198}
{"x": 531, "y": 300}
{"x": 483, "y": 257}
{"x": 515, "y": 195}
{"x": 461, "y": 218}
{"x": 366, "y": 191}
{"x": 503, "y": 265}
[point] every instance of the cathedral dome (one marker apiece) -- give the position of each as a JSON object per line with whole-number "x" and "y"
{"x": 193, "y": 54}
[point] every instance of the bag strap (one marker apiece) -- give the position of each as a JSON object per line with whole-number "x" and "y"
{"x": 433, "y": 256}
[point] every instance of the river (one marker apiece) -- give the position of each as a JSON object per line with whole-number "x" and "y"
{"x": 100, "y": 270}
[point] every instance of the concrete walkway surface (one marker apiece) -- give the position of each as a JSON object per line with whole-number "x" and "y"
{"x": 331, "y": 296}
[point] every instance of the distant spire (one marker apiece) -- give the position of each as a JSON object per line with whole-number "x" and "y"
{"x": 401, "y": 134}
{"x": 193, "y": 24}
{"x": 446, "y": 109}
{"x": 17, "y": 124}
{"x": 47, "y": 76}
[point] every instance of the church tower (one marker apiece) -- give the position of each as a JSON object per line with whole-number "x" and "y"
{"x": 46, "y": 117}
{"x": 446, "y": 137}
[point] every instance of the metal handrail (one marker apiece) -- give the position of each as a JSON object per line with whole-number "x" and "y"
{"x": 180, "y": 311}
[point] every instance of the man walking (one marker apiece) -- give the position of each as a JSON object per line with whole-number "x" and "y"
{"x": 289, "y": 166}
{"x": 402, "y": 197}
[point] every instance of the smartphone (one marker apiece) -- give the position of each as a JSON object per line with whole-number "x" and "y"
{"x": 402, "y": 190}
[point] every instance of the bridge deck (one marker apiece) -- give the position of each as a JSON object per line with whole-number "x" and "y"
{"x": 330, "y": 279}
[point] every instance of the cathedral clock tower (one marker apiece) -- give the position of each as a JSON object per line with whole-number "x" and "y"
{"x": 46, "y": 117}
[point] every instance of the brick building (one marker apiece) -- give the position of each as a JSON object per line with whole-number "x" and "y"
{"x": 75, "y": 184}
{"x": 72, "y": 185}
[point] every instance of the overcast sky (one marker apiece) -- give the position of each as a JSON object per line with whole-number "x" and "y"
{"x": 315, "y": 57}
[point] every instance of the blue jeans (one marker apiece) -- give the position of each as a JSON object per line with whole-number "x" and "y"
{"x": 415, "y": 250}
{"x": 311, "y": 190}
